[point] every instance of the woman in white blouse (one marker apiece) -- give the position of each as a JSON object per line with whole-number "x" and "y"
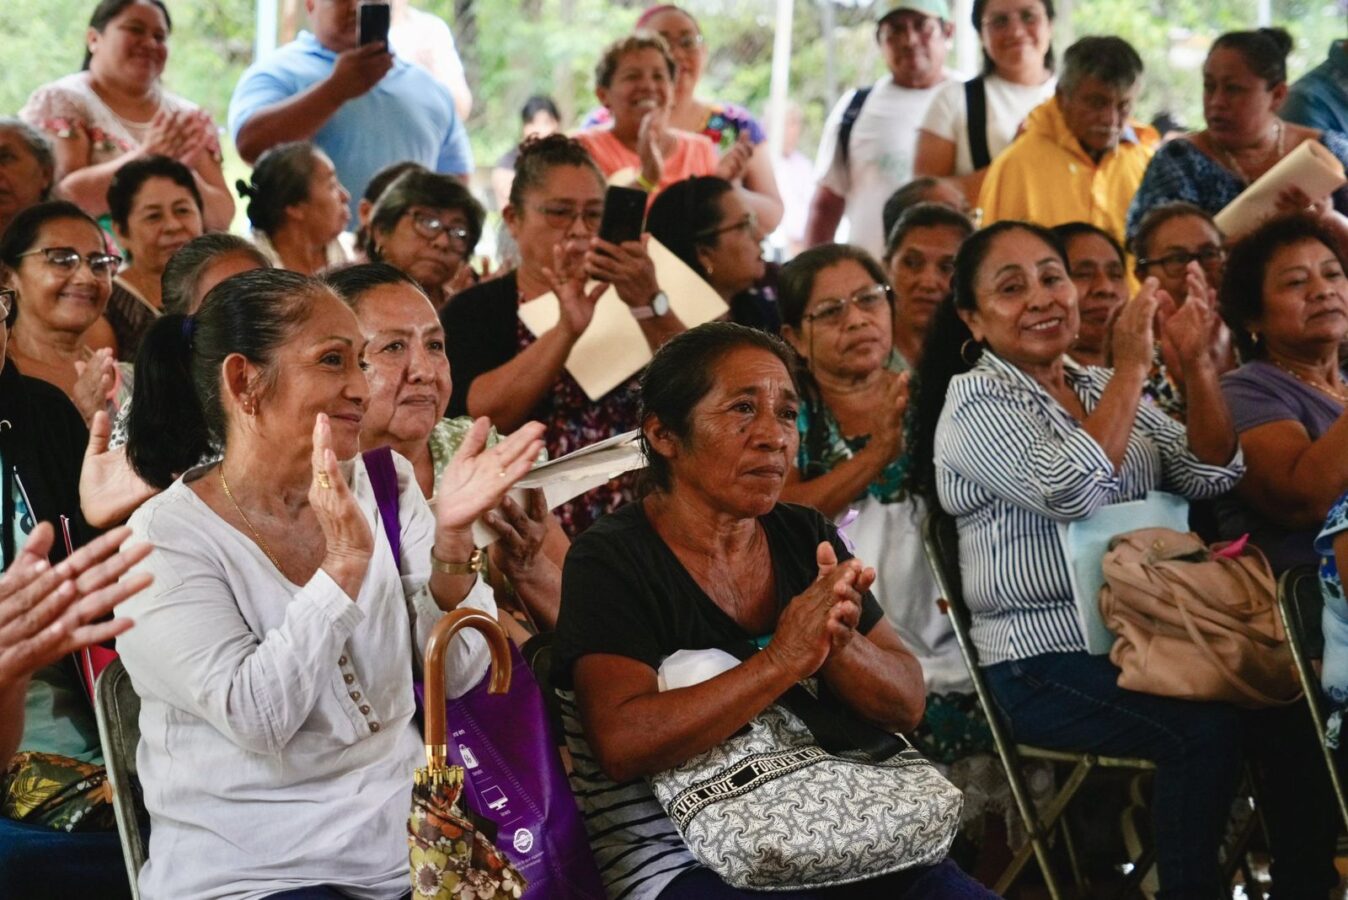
{"x": 1026, "y": 439}
{"x": 1017, "y": 76}
{"x": 276, "y": 653}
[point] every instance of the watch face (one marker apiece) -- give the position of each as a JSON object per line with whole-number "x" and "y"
{"x": 660, "y": 304}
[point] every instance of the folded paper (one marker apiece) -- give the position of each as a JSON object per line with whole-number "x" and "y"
{"x": 1310, "y": 167}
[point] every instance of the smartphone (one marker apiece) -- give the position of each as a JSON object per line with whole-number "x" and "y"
{"x": 624, "y": 214}
{"x": 374, "y": 22}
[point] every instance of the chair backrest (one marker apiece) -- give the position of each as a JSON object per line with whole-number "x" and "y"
{"x": 1302, "y": 604}
{"x": 117, "y": 707}
{"x": 940, "y": 539}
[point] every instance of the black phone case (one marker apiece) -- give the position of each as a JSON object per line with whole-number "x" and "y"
{"x": 374, "y": 23}
{"x": 624, "y": 214}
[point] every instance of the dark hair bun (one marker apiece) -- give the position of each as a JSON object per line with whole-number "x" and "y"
{"x": 1280, "y": 38}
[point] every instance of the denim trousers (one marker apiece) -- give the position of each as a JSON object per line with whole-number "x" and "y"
{"x": 943, "y": 881}
{"x": 1072, "y": 701}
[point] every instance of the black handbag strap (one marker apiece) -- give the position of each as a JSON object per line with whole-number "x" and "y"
{"x": 976, "y": 101}
{"x": 834, "y": 726}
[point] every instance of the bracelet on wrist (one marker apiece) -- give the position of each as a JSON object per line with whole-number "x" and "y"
{"x": 645, "y": 184}
{"x": 471, "y": 567}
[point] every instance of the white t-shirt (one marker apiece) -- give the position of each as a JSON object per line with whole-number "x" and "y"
{"x": 1007, "y": 104}
{"x": 425, "y": 39}
{"x": 879, "y": 158}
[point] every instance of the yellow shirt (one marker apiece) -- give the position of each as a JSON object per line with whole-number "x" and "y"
{"x": 1047, "y": 178}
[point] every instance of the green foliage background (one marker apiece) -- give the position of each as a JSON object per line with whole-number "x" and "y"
{"x": 514, "y": 48}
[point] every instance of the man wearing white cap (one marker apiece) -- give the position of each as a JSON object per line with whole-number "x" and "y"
{"x": 869, "y": 138}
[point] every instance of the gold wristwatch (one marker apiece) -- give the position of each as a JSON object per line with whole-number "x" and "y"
{"x": 472, "y": 567}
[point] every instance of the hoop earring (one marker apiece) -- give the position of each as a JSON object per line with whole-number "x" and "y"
{"x": 964, "y": 351}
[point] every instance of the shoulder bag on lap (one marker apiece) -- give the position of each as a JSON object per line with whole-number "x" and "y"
{"x": 1195, "y": 622}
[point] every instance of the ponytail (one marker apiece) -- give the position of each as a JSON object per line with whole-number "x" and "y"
{"x": 167, "y": 432}
{"x": 178, "y": 417}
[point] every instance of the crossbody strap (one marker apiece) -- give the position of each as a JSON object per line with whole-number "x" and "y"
{"x": 976, "y": 102}
{"x": 384, "y": 481}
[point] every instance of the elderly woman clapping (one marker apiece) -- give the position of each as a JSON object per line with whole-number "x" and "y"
{"x": 710, "y": 557}
{"x": 275, "y": 654}
{"x": 1025, "y": 440}
{"x": 410, "y": 384}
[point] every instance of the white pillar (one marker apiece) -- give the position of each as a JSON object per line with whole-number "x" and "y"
{"x": 968, "y": 48}
{"x": 264, "y": 28}
{"x": 781, "y": 75}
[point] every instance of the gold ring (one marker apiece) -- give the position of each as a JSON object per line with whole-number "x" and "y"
{"x": 501, "y": 474}
{"x": 322, "y": 479}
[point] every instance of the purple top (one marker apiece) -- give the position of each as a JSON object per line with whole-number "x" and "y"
{"x": 1259, "y": 393}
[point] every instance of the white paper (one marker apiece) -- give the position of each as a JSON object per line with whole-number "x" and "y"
{"x": 567, "y": 477}
{"x": 613, "y": 347}
{"x": 1310, "y": 167}
{"x": 1084, "y": 544}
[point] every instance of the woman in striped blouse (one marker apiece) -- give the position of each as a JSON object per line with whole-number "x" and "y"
{"x": 1027, "y": 439}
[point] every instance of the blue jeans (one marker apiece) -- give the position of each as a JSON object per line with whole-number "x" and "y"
{"x": 1072, "y": 701}
{"x": 943, "y": 881}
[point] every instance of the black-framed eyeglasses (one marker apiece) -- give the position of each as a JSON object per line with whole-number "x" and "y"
{"x": 8, "y": 297}
{"x": 67, "y": 259}
{"x": 431, "y": 227}
{"x": 1174, "y": 264}
{"x": 749, "y": 224}
{"x": 561, "y": 217}
{"x": 832, "y": 311}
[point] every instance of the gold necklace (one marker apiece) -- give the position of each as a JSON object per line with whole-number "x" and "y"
{"x": 1231, "y": 158}
{"x": 1340, "y": 396}
{"x": 257, "y": 537}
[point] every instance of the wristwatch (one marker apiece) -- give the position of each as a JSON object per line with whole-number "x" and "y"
{"x": 472, "y": 567}
{"x": 658, "y": 306}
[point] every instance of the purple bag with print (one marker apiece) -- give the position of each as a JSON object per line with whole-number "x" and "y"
{"x": 513, "y": 776}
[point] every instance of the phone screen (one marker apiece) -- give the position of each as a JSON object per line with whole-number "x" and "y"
{"x": 374, "y": 22}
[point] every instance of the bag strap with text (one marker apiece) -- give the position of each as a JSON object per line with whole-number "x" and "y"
{"x": 849, "y": 119}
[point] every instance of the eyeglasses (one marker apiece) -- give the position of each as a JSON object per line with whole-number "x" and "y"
{"x": 1174, "y": 264}
{"x": 561, "y": 217}
{"x": 7, "y": 298}
{"x": 431, "y": 227}
{"x": 749, "y": 224}
{"x": 831, "y": 311}
{"x": 1028, "y": 18}
{"x": 683, "y": 41}
{"x": 67, "y": 259}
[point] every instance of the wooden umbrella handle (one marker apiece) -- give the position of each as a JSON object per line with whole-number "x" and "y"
{"x": 434, "y": 674}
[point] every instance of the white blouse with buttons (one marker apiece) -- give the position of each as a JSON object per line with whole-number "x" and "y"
{"x": 277, "y": 733}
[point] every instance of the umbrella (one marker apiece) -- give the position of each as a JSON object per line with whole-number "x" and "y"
{"x": 450, "y": 858}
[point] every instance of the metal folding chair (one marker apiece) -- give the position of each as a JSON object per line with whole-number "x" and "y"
{"x": 1301, "y": 603}
{"x": 117, "y": 708}
{"x": 942, "y": 545}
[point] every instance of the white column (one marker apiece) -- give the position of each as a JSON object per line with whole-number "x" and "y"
{"x": 264, "y": 28}
{"x": 781, "y": 75}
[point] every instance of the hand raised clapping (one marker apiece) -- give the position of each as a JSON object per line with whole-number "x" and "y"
{"x": 478, "y": 477}
{"x": 823, "y": 618}
{"x": 49, "y": 611}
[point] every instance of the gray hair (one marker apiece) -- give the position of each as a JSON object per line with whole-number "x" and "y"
{"x": 1109, "y": 59}
{"x": 38, "y": 145}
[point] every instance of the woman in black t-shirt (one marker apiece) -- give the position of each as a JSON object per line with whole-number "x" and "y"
{"x": 707, "y": 558}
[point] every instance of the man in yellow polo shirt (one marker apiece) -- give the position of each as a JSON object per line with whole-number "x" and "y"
{"x": 1080, "y": 157}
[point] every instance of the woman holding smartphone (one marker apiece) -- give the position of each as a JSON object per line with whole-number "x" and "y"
{"x": 503, "y": 370}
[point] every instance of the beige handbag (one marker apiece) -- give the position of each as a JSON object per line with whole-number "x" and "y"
{"x": 1195, "y": 623}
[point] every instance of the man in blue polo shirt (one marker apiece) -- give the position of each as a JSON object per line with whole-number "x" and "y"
{"x": 364, "y": 107}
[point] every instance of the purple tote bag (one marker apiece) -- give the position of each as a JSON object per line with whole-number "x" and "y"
{"x": 513, "y": 774}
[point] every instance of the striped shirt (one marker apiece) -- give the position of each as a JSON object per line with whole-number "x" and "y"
{"x": 635, "y": 845}
{"x": 1012, "y": 463}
